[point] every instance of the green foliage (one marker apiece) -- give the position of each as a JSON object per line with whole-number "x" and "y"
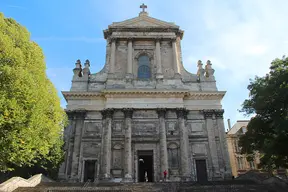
{"x": 31, "y": 119}
{"x": 268, "y": 130}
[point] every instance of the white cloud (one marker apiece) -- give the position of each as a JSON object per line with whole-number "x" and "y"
{"x": 245, "y": 36}
{"x": 257, "y": 50}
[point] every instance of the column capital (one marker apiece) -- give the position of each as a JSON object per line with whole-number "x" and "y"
{"x": 112, "y": 40}
{"x": 173, "y": 39}
{"x": 76, "y": 114}
{"x": 107, "y": 113}
{"x": 128, "y": 112}
{"x": 181, "y": 112}
{"x": 70, "y": 115}
{"x": 161, "y": 112}
{"x": 219, "y": 113}
{"x": 130, "y": 39}
{"x": 208, "y": 113}
{"x": 158, "y": 39}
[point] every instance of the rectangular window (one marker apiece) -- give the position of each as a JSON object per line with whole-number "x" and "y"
{"x": 252, "y": 165}
{"x": 237, "y": 149}
{"x": 240, "y": 165}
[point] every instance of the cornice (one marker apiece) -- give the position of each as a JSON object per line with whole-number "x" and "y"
{"x": 73, "y": 95}
{"x": 185, "y": 94}
{"x": 205, "y": 95}
{"x": 108, "y": 32}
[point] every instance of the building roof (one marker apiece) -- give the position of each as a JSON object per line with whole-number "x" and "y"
{"x": 143, "y": 23}
{"x": 237, "y": 126}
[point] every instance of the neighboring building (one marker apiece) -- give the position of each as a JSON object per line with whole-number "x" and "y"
{"x": 239, "y": 163}
{"x": 143, "y": 113}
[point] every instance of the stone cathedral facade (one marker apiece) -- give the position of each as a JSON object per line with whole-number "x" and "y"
{"x": 143, "y": 113}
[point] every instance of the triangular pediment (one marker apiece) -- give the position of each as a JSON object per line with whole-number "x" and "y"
{"x": 144, "y": 21}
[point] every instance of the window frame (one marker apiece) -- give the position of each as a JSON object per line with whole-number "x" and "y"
{"x": 147, "y": 66}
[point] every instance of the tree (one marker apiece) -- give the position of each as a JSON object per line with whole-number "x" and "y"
{"x": 31, "y": 118}
{"x": 267, "y": 132}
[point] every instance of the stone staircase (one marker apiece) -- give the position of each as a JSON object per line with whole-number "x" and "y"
{"x": 91, "y": 187}
{"x": 228, "y": 186}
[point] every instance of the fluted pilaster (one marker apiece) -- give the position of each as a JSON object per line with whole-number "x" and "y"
{"x": 163, "y": 141}
{"x": 112, "y": 56}
{"x": 128, "y": 112}
{"x": 184, "y": 143}
{"x": 208, "y": 115}
{"x": 107, "y": 115}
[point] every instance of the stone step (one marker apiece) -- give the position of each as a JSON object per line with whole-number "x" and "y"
{"x": 150, "y": 187}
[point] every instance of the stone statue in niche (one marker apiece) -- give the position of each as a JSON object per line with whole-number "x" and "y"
{"x": 173, "y": 155}
{"x": 117, "y": 156}
{"x": 117, "y": 159}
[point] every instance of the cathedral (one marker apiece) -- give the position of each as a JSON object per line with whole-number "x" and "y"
{"x": 143, "y": 114}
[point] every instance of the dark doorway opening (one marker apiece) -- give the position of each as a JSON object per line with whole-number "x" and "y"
{"x": 145, "y": 166}
{"x": 201, "y": 171}
{"x": 89, "y": 170}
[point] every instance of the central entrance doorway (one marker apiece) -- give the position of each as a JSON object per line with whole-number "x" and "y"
{"x": 145, "y": 166}
{"x": 201, "y": 171}
{"x": 89, "y": 170}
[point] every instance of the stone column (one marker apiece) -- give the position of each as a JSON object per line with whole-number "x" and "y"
{"x": 184, "y": 143}
{"x": 159, "y": 74}
{"x": 223, "y": 143}
{"x": 163, "y": 141}
{"x": 77, "y": 133}
{"x": 106, "y": 143}
{"x": 130, "y": 58}
{"x": 128, "y": 148}
{"x": 208, "y": 115}
{"x": 68, "y": 147}
{"x": 112, "y": 56}
{"x": 175, "y": 57}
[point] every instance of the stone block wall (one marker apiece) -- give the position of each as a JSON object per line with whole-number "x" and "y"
{"x": 84, "y": 142}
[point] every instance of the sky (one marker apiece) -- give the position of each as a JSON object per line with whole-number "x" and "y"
{"x": 240, "y": 37}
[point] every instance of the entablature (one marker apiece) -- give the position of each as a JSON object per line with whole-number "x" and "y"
{"x": 185, "y": 94}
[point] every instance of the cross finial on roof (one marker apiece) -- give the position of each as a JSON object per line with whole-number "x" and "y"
{"x": 143, "y": 7}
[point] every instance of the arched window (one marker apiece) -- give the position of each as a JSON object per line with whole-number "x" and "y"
{"x": 144, "y": 71}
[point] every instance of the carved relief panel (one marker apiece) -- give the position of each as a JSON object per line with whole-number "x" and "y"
{"x": 118, "y": 127}
{"x": 172, "y": 128}
{"x": 199, "y": 149}
{"x": 92, "y": 128}
{"x": 144, "y": 114}
{"x": 91, "y": 149}
{"x": 196, "y": 128}
{"x": 144, "y": 128}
